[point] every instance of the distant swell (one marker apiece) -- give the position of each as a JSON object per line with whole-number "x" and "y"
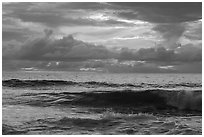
{"x": 38, "y": 83}
{"x": 148, "y": 100}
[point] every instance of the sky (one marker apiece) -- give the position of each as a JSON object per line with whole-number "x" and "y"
{"x": 120, "y": 37}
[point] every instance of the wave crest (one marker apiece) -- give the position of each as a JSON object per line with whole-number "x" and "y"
{"x": 147, "y": 100}
{"x": 39, "y": 83}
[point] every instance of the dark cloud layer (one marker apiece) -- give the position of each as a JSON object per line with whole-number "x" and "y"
{"x": 86, "y": 6}
{"x": 13, "y": 35}
{"x": 70, "y": 49}
{"x": 163, "y": 12}
{"x": 65, "y": 49}
{"x": 55, "y": 13}
{"x": 186, "y": 53}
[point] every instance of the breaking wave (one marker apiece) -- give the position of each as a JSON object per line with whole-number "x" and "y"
{"x": 138, "y": 99}
{"x": 145, "y": 101}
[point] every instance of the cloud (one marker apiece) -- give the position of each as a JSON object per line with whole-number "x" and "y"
{"x": 85, "y": 5}
{"x": 65, "y": 49}
{"x": 171, "y": 34}
{"x": 70, "y": 49}
{"x": 13, "y": 28}
{"x": 176, "y": 28}
{"x": 174, "y": 33}
{"x": 194, "y": 30}
{"x": 13, "y": 35}
{"x": 162, "y": 12}
{"x": 48, "y": 33}
{"x": 169, "y": 18}
{"x": 155, "y": 54}
{"x": 189, "y": 53}
{"x": 62, "y": 14}
{"x": 185, "y": 53}
{"x": 148, "y": 54}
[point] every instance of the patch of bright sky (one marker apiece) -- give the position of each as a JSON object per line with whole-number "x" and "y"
{"x": 166, "y": 67}
{"x": 106, "y": 34}
{"x": 112, "y": 35}
{"x": 99, "y": 17}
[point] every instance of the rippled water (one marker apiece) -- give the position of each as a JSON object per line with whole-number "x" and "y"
{"x": 101, "y": 103}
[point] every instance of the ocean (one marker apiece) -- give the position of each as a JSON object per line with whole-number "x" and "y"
{"x": 64, "y": 103}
